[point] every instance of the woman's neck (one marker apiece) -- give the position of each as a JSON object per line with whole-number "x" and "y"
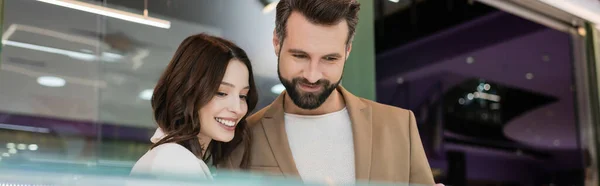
{"x": 204, "y": 142}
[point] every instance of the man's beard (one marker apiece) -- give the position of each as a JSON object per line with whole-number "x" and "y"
{"x": 308, "y": 100}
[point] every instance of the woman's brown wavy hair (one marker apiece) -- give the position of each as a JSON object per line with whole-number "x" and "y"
{"x": 189, "y": 82}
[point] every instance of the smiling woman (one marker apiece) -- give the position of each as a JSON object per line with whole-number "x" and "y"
{"x": 200, "y": 104}
{"x": 84, "y": 80}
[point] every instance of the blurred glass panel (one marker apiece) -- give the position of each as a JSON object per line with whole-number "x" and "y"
{"x": 124, "y": 108}
{"x": 76, "y": 85}
{"x": 50, "y": 81}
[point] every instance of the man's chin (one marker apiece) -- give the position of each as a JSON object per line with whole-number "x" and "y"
{"x": 308, "y": 101}
{"x": 311, "y": 94}
{"x": 308, "y": 106}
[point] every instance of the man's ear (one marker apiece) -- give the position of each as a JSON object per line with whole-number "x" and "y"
{"x": 276, "y": 44}
{"x": 348, "y": 50}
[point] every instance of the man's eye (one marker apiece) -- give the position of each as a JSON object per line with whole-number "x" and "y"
{"x": 300, "y": 56}
{"x": 331, "y": 58}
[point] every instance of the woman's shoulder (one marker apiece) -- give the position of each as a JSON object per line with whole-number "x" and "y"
{"x": 170, "y": 158}
{"x": 172, "y": 149}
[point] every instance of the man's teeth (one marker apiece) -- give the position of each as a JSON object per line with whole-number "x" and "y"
{"x": 226, "y": 122}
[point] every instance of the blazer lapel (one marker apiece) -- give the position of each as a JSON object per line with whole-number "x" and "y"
{"x": 274, "y": 127}
{"x": 362, "y": 131}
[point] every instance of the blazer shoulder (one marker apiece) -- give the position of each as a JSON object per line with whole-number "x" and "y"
{"x": 390, "y": 117}
{"x": 380, "y": 109}
{"x": 175, "y": 155}
{"x": 173, "y": 149}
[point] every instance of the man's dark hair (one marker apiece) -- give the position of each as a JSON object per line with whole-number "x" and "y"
{"x": 321, "y": 12}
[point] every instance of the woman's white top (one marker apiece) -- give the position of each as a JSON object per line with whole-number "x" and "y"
{"x": 170, "y": 159}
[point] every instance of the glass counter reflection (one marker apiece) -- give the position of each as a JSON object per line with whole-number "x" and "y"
{"x": 47, "y": 174}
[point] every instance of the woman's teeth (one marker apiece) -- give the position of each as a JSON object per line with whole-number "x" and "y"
{"x": 225, "y": 122}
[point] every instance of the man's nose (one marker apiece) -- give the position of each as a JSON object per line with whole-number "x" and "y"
{"x": 312, "y": 72}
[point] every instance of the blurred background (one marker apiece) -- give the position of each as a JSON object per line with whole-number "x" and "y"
{"x": 505, "y": 91}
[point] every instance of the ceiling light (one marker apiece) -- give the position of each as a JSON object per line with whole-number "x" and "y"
{"x": 146, "y": 94}
{"x": 277, "y": 89}
{"x": 51, "y": 81}
{"x": 12, "y": 151}
{"x": 22, "y": 128}
{"x": 50, "y": 33}
{"x": 83, "y": 54}
{"x": 487, "y": 87}
{"x": 491, "y": 97}
{"x": 529, "y": 76}
{"x": 394, "y": 1}
{"x": 400, "y": 80}
{"x": 110, "y": 57}
{"x": 268, "y": 5}
{"x": 106, "y": 56}
{"x": 76, "y": 55}
{"x": 21, "y": 146}
{"x": 5, "y": 154}
{"x": 486, "y": 96}
{"x": 110, "y": 12}
{"x": 10, "y": 145}
{"x": 33, "y": 147}
{"x": 470, "y": 60}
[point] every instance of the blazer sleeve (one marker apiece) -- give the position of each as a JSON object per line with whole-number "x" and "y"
{"x": 420, "y": 171}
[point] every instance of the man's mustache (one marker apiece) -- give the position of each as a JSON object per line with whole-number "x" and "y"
{"x": 305, "y": 81}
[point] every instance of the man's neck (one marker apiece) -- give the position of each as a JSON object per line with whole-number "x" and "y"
{"x": 334, "y": 102}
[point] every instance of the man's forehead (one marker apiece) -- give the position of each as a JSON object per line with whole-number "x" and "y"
{"x": 305, "y": 34}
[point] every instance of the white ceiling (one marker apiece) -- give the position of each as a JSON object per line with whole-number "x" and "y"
{"x": 106, "y": 90}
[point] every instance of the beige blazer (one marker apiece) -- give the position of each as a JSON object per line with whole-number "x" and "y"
{"x": 386, "y": 143}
